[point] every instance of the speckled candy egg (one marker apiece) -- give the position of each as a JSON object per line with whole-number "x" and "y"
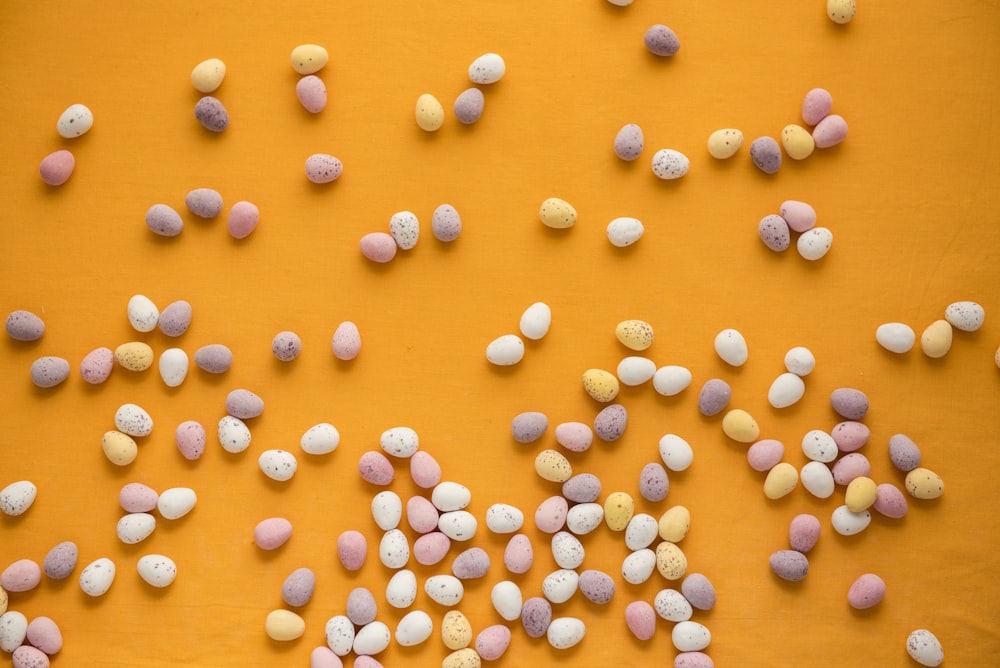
{"x": 60, "y": 561}
{"x": 867, "y": 591}
{"x": 714, "y": 397}
{"x": 634, "y": 334}
{"x": 133, "y": 420}
{"x": 298, "y": 587}
{"x": 903, "y": 452}
{"x": 24, "y": 325}
{"x": 661, "y": 40}
{"x": 56, "y": 168}
{"x": 922, "y": 483}
{"x": 204, "y": 202}
{"x": 725, "y": 143}
{"x": 471, "y": 564}
{"x": 97, "y": 577}
{"x": 272, "y": 533}
{"x": 676, "y": 453}
{"x": 309, "y": 58}
{"x": 234, "y": 435}
{"x": 536, "y": 615}
{"x": 211, "y": 114}
{"x": 492, "y": 642}
{"x": 849, "y": 403}
{"x": 487, "y": 69}
{"x": 557, "y": 213}
{"x": 789, "y": 565}
{"x": 456, "y": 630}
{"x": 848, "y": 523}
{"x": 773, "y": 231}
{"x": 214, "y": 358}
{"x": 584, "y": 518}
{"x": 850, "y": 435}
{"x": 671, "y": 605}
{"x": 699, "y": 591}
{"x": 671, "y": 562}
{"x": 135, "y": 527}
{"x": 469, "y": 105}
{"x": 175, "y": 319}
{"x": 924, "y": 648}
{"x": 552, "y": 465}
{"x": 816, "y": 105}
{"x": 136, "y": 497}
{"x": 311, "y": 92}
{"x": 352, "y": 549}
{"x": 966, "y": 316}
{"x": 550, "y": 516}
{"x": 375, "y": 468}
{"x": 890, "y": 501}
{"x": 766, "y": 154}
{"x": 157, "y": 570}
{"x": 529, "y": 426}
{"x": 653, "y": 482}
{"x": 518, "y": 554}
{"x": 803, "y": 532}
{"x": 13, "y": 629}
{"x": 277, "y": 465}
{"x": 323, "y": 168}
{"x": 244, "y": 404}
{"x": 797, "y": 142}
{"x": 346, "y": 341}
{"x": 446, "y": 590}
{"x": 641, "y": 531}
{"x": 243, "y": 219}
{"x": 361, "y": 607}
{"x": 286, "y": 346}
{"x": 670, "y": 164}
{"x": 849, "y": 467}
{"x": 446, "y": 224}
{"x": 429, "y": 113}
{"x": 582, "y": 488}
{"x": 841, "y": 11}
{"x": 610, "y": 423}
{"x": 638, "y": 566}
{"x": 458, "y": 525}
{"x": 815, "y": 243}
{"x": 830, "y": 131}
{"x": 404, "y": 227}
{"x": 505, "y": 350}
{"x": 601, "y": 385}
{"x": 120, "y": 449}
{"x": 208, "y": 75}
{"x": 624, "y": 231}
{"x": 640, "y": 618}
{"x": 690, "y": 636}
{"x": 49, "y": 371}
{"x": 629, "y": 142}
{"x": 765, "y": 454}
{"x": 76, "y": 120}
{"x": 565, "y": 632}
{"x": 339, "y": 632}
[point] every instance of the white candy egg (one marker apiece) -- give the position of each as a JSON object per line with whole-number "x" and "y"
{"x": 638, "y": 566}
{"x": 671, "y": 379}
{"x": 173, "y": 366}
{"x": 675, "y": 452}
{"x": 641, "y": 531}
{"x": 133, "y": 420}
{"x": 135, "y": 527}
{"x": 635, "y": 370}
{"x": 446, "y": 590}
{"x": 176, "y": 502}
{"x": 387, "y": 510}
{"x": 278, "y": 465}
{"x": 234, "y": 435}
{"x": 819, "y": 446}
{"x": 848, "y": 523}
{"x": 507, "y": 599}
{"x": 401, "y": 590}
{"x": 13, "y": 629}
{"x": 504, "y": 518}
{"x": 400, "y": 442}
{"x": 815, "y": 243}
{"x": 505, "y": 350}
{"x": 625, "y": 231}
{"x": 671, "y": 605}
{"x": 565, "y": 632}
{"x": 583, "y": 518}
{"x": 487, "y": 69}
{"x": 670, "y": 164}
{"x": 535, "y": 321}
{"x": 560, "y": 585}
{"x": 818, "y": 480}
{"x": 157, "y": 570}
{"x": 394, "y": 549}
{"x": 896, "y": 337}
{"x": 339, "y": 631}
{"x": 372, "y": 638}
{"x": 448, "y": 496}
{"x": 786, "y": 390}
{"x": 689, "y": 636}
{"x": 97, "y": 577}
{"x": 567, "y": 550}
{"x": 731, "y": 347}
{"x": 142, "y": 313}
{"x": 320, "y": 439}
{"x": 800, "y": 361}
{"x": 414, "y": 628}
{"x": 459, "y": 525}
{"x": 17, "y": 497}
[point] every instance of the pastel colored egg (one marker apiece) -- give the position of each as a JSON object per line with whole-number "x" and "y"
{"x": 634, "y": 334}
{"x": 133, "y": 420}
{"x": 789, "y": 565}
{"x": 800, "y": 216}
{"x": 175, "y": 319}
{"x": 529, "y": 426}
{"x": 214, "y": 358}
{"x": 324, "y": 657}
{"x": 618, "y": 510}
{"x": 375, "y": 468}
{"x": 505, "y": 350}
{"x": 503, "y": 518}
{"x": 394, "y": 549}
{"x": 714, "y": 397}
{"x": 243, "y": 219}
{"x": 818, "y": 479}
{"x": 536, "y": 615}
{"x": 635, "y": 370}
{"x": 841, "y": 11}
{"x": 211, "y": 114}
{"x": 966, "y": 316}
{"x": 850, "y": 435}
{"x": 429, "y": 113}
{"x": 611, "y": 422}
{"x": 653, "y": 482}
{"x": 244, "y": 404}
{"x": 582, "y": 488}
{"x": 284, "y": 625}
{"x": 56, "y": 168}
{"x": 44, "y": 634}
{"x": 21, "y": 576}
{"x": 903, "y": 452}
{"x": 135, "y": 527}
{"x": 849, "y": 402}
{"x": 551, "y": 465}
{"x": 24, "y": 325}
{"x": 601, "y": 385}
{"x": 361, "y": 607}
{"x": 208, "y": 75}
{"x": 234, "y": 435}
{"x": 446, "y": 224}
{"x": 352, "y": 549}
{"x": 860, "y": 494}
{"x": 557, "y": 213}
{"x": 890, "y": 501}
{"x": 674, "y": 524}
{"x": 740, "y": 426}
{"x": 414, "y": 628}
{"x": 424, "y": 470}
{"x": 97, "y": 577}
{"x": 550, "y": 516}
{"x": 458, "y": 525}
{"x": 272, "y": 533}
{"x": 765, "y": 454}
{"x": 402, "y": 442}
{"x": 641, "y": 531}
{"x": 624, "y": 231}
{"x": 638, "y": 566}
{"x": 164, "y": 220}
{"x": 27, "y": 656}
{"x": 17, "y": 497}
{"x": 848, "y": 523}
{"x": 286, "y": 346}
{"x": 640, "y": 618}
{"x": 816, "y": 104}
{"x": 13, "y": 629}
{"x": 176, "y": 502}
{"x": 422, "y": 516}
{"x": 134, "y": 356}
{"x": 661, "y": 40}
{"x": 725, "y": 143}
{"x": 204, "y": 202}
{"x": 471, "y": 564}
{"x": 448, "y": 496}
{"x": 277, "y": 464}
{"x": 786, "y": 390}
{"x": 560, "y": 585}
{"x": 49, "y": 371}
{"x": 190, "y": 438}
{"x": 339, "y": 632}
{"x": 922, "y": 483}
{"x": 519, "y": 555}
{"x": 446, "y": 590}
{"x": 60, "y": 561}
{"x": 773, "y": 231}
{"x": 693, "y": 660}
{"x": 924, "y": 648}
{"x": 830, "y": 131}
{"x": 346, "y": 341}
{"x": 670, "y": 560}
{"x": 935, "y": 341}
{"x": 731, "y": 347}
{"x": 323, "y": 168}
{"x": 765, "y": 153}
{"x": 565, "y": 632}
{"x": 76, "y": 120}
{"x": 815, "y": 243}
{"x": 670, "y": 164}
{"x": 404, "y": 227}
{"x": 469, "y": 105}
{"x": 487, "y": 69}
{"x": 456, "y": 630}
{"x": 142, "y": 313}
{"x": 671, "y": 605}
{"x": 492, "y": 642}
{"x": 311, "y": 92}
{"x": 671, "y": 380}
{"x": 535, "y": 321}
{"x": 309, "y": 58}
{"x": 699, "y": 591}
{"x": 781, "y": 480}
{"x": 896, "y": 337}
{"x": 797, "y": 142}
{"x": 629, "y": 142}
{"x": 119, "y": 448}
{"x": 803, "y": 532}
{"x": 849, "y": 467}
{"x": 461, "y": 658}
{"x": 583, "y": 518}
{"x": 867, "y": 591}
{"x": 157, "y": 570}
{"x": 136, "y": 497}
{"x": 690, "y": 636}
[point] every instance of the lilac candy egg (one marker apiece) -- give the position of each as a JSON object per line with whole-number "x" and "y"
{"x": 24, "y": 325}
{"x": 816, "y": 105}
{"x": 286, "y": 346}
{"x": 175, "y": 319}
{"x": 375, "y": 468}
{"x": 714, "y": 397}
{"x": 890, "y": 501}
{"x": 96, "y": 365}
{"x": 582, "y": 488}
{"x": 214, "y": 358}
{"x": 361, "y": 606}
{"x": 378, "y": 247}
{"x": 830, "y": 131}
{"x": 536, "y": 615}
{"x": 323, "y": 168}
{"x": 297, "y": 589}
{"x": 352, "y": 549}
{"x": 629, "y": 142}
{"x": 243, "y": 219}
{"x": 56, "y": 168}
{"x": 640, "y": 617}
{"x": 765, "y": 454}
{"x": 529, "y": 426}
{"x": 49, "y": 371}
{"x": 469, "y": 105}
{"x": 212, "y": 114}
{"x": 849, "y": 467}
{"x": 765, "y": 152}
{"x": 849, "y": 402}
{"x": 244, "y": 404}
{"x": 803, "y": 532}
{"x": 850, "y": 435}
{"x": 903, "y": 453}
{"x": 867, "y": 591}
{"x": 610, "y": 423}
{"x": 471, "y": 564}
{"x": 789, "y": 565}
{"x": 661, "y": 40}
{"x": 60, "y": 561}
{"x": 492, "y": 642}
{"x": 693, "y": 660}
{"x": 311, "y": 92}
{"x": 518, "y": 555}
{"x": 446, "y": 224}
{"x": 699, "y": 591}
{"x": 204, "y": 202}
{"x": 773, "y": 231}
{"x": 431, "y": 548}
{"x": 164, "y": 220}
{"x": 653, "y": 482}
{"x": 597, "y": 586}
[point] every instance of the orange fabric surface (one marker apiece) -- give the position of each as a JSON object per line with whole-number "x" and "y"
{"x": 909, "y": 197}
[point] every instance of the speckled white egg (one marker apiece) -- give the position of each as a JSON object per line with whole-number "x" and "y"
{"x": 583, "y": 518}
{"x": 819, "y": 446}
{"x": 560, "y": 585}
{"x": 234, "y": 435}
{"x": 966, "y": 316}
{"x": 278, "y": 465}
{"x": 505, "y": 350}
{"x": 401, "y": 590}
{"x": 924, "y": 648}
{"x": 567, "y": 550}
{"x": 75, "y": 121}
{"x": 133, "y": 420}
{"x": 142, "y": 313}
{"x": 535, "y": 321}
{"x": 394, "y": 549}
{"x": 13, "y": 629}
{"x": 157, "y": 570}
{"x": 625, "y": 231}
{"x": 487, "y": 69}
{"x": 815, "y": 243}
{"x": 504, "y": 518}
{"x": 689, "y": 636}
{"x": 387, "y": 509}
{"x": 320, "y": 439}
{"x": 847, "y": 523}
{"x": 458, "y": 525}
{"x": 670, "y": 164}
{"x": 404, "y": 226}
{"x": 671, "y": 605}
{"x": 339, "y": 631}
{"x": 641, "y": 531}
{"x": 675, "y": 452}
{"x": 731, "y": 346}
{"x": 17, "y": 497}
{"x": 565, "y": 632}
{"x": 135, "y": 527}
{"x": 800, "y": 361}
{"x": 638, "y": 565}
{"x": 176, "y": 502}
{"x": 400, "y": 442}
{"x": 443, "y": 589}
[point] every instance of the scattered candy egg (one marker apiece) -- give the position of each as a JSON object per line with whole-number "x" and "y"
{"x": 629, "y": 142}
{"x": 309, "y": 58}
{"x": 21, "y": 576}
{"x": 535, "y": 321}
{"x": 214, "y": 358}
{"x": 429, "y": 113}
{"x": 557, "y": 213}
{"x": 765, "y": 454}
{"x": 17, "y": 497}
{"x": 487, "y": 69}
{"x": 97, "y": 577}
{"x": 640, "y": 619}
{"x": 653, "y": 482}
{"x": 176, "y": 502}
{"x": 324, "y": 657}
{"x": 402, "y": 442}
{"x": 394, "y": 549}
{"x": 60, "y": 561}
{"x": 346, "y": 341}
{"x": 414, "y": 628}
{"x": 211, "y": 114}
{"x": 725, "y": 143}
{"x": 818, "y": 479}
{"x": 352, "y": 549}
{"x": 635, "y": 370}
{"x": 56, "y": 168}
{"x": 714, "y": 397}
{"x": 424, "y": 470}
{"x": 507, "y": 599}
{"x": 565, "y": 632}
{"x": 277, "y": 464}
{"x": 551, "y": 465}
{"x": 803, "y": 532}
{"x": 903, "y": 452}
{"x": 234, "y": 435}
{"x": 890, "y": 501}
{"x": 797, "y": 142}
{"x": 766, "y": 154}
{"x": 44, "y": 634}
{"x": 272, "y": 533}
{"x": 339, "y": 632}
{"x": 458, "y": 525}
{"x": 24, "y": 325}
{"x": 781, "y": 480}
{"x": 243, "y": 219}
{"x": 244, "y": 404}
{"x": 492, "y": 642}
{"x": 583, "y": 518}
{"x": 841, "y": 11}
{"x": 135, "y": 497}
{"x": 661, "y": 40}
{"x": 13, "y": 629}
{"x": 672, "y": 606}
{"x": 814, "y": 243}
{"x": 800, "y": 216}
{"x": 446, "y": 590}
{"x": 133, "y": 420}
{"x": 625, "y": 231}
{"x": 157, "y": 570}
{"x": 323, "y": 168}
{"x": 849, "y": 467}
{"x": 529, "y": 426}
{"x": 567, "y": 550}
{"x": 690, "y": 636}
{"x": 922, "y": 483}
{"x": 966, "y": 316}
{"x": 471, "y": 564}
{"x": 505, "y": 350}
{"x": 448, "y": 496}
{"x": 204, "y": 202}
{"x": 560, "y": 585}
{"x": 816, "y": 105}
{"x": 582, "y": 488}
{"x": 378, "y": 247}
{"x": 456, "y": 630}
{"x": 284, "y": 625}
{"x": 670, "y": 164}
{"x": 446, "y": 224}
{"x": 469, "y": 105}
{"x": 786, "y": 390}
{"x": 611, "y": 422}
{"x": 638, "y": 566}
{"x": 536, "y": 615}
{"x": 49, "y": 371}
{"x": 865, "y": 592}
{"x": 286, "y": 346}
{"x": 731, "y": 347}
{"x": 635, "y": 335}
{"x": 504, "y": 518}
{"x": 134, "y": 356}
{"x": 773, "y": 231}
{"x": 830, "y": 131}
{"x": 404, "y": 227}
{"x": 135, "y": 527}
{"x": 935, "y": 341}
{"x": 375, "y": 468}
{"x": 924, "y": 648}
{"x": 76, "y": 120}
{"x": 208, "y": 75}
{"x": 671, "y": 380}
{"x": 97, "y": 365}
{"x": 119, "y": 448}
{"x": 311, "y": 92}
{"x": 601, "y": 385}
{"x": 670, "y": 560}
{"x": 422, "y": 516}
{"x": 740, "y": 426}
{"x": 860, "y": 494}
{"x": 789, "y": 565}
{"x": 550, "y": 516}
{"x": 164, "y": 220}
{"x": 175, "y": 319}
{"x": 361, "y": 606}
{"x": 847, "y": 523}
{"x": 698, "y": 589}
{"x": 896, "y": 337}
{"x": 849, "y": 402}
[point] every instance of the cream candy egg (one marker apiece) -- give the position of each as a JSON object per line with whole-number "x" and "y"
{"x": 120, "y": 448}
{"x": 553, "y": 466}
{"x": 841, "y": 11}
{"x": 309, "y": 58}
{"x": 800, "y": 361}
{"x": 456, "y": 630}
{"x": 17, "y": 497}
{"x": 786, "y": 390}
{"x": 672, "y": 606}
{"x": 505, "y": 350}
{"x": 814, "y": 243}
{"x": 629, "y": 142}
{"x": 176, "y": 502}
{"x": 818, "y": 479}
{"x": 208, "y": 75}
{"x": 135, "y": 497}
{"x": 469, "y": 105}
{"x": 404, "y": 227}
{"x": 922, "y": 483}
{"x": 234, "y": 435}
{"x": 387, "y": 509}
{"x": 797, "y": 142}
{"x": 896, "y": 337}
{"x": 76, "y": 120}
{"x": 311, "y": 92}
{"x": 625, "y": 231}
{"x": 507, "y": 600}
{"x": 671, "y": 380}
{"x": 173, "y": 366}
{"x": 565, "y": 632}
{"x": 134, "y": 356}
{"x": 339, "y": 632}
{"x": 97, "y": 577}
{"x": 781, "y": 480}
{"x": 584, "y": 518}
{"x": 536, "y": 321}
{"x": 670, "y": 164}
{"x": 487, "y": 69}
{"x": 924, "y": 648}
{"x": 635, "y": 370}
{"x": 740, "y": 426}
{"x": 966, "y": 316}
{"x": 560, "y": 585}
{"x": 638, "y": 566}
{"x": 414, "y": 628}
{"x": 429, "y": 113}
{"x": 936, "y": 339}
{"x": 277, "y": 465}
{"x": 284, "y": 625}
{"x": 725, "y": 143}
{"x": 674, "y": 524}
{"x": 133, "y": 420}
{"x": 13, "y": 629}
{"x": 634, "y": 334}
{"x": 448, "y": 496}
{"x": 372, "y": 638}
{"x": 157, "y": 570}
{"x": 731, "y": 346}
{"x": 819, "y": 446}
{"x": 557, "y": 213}
{"x": 320, "y": 439}
{"x": 689, "y": 636}
{"x": 446, "y": 590}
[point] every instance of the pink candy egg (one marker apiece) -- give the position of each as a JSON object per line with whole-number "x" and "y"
{"x": 311, "y": 92}
{"x": 640, "y": 617}
{"x": 57, "y": 167}
{"x": 867, "y": 591}
{"x": 272, "y": 533}
{"x": 243, "y": 219}
{"x": 378, "y": 247}
{"x": 352, "y": 549}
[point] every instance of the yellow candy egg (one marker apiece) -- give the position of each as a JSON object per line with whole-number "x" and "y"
{"x": 740, "y": 426}
{"x": 601, "y": 385}
{"x": 674, "y": 524}
{"x": 670, "y": 561}
{"x": 923, "y": 483}
{"x": 309, "y": 58}
{"x": 456, "y": 630}
{"x": 936, "y": 339}
{"x": 208, "y": 75}
{"x": 780, "y": 480}
{"x": 119, "y": 448}
{"x": 797, "y": 142}
{"x": 551, "y": 465}
{"x": 634, "y": 334}
{"x": 841, "y": 11}
{"x": 724, "y": 143}
{"x": 462, "y": 658}
{"x": 134, "y": 356}
{"x": 3, "y": 600}
{"x": 618, "y": 510}
{"x": 429, "y": 113}
{"x": 861, "y": 493}
{"x": 557, "y": 213}
{"x": 284, "y": 625}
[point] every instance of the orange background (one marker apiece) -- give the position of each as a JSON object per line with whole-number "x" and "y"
{"x": 910, "y": 197}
